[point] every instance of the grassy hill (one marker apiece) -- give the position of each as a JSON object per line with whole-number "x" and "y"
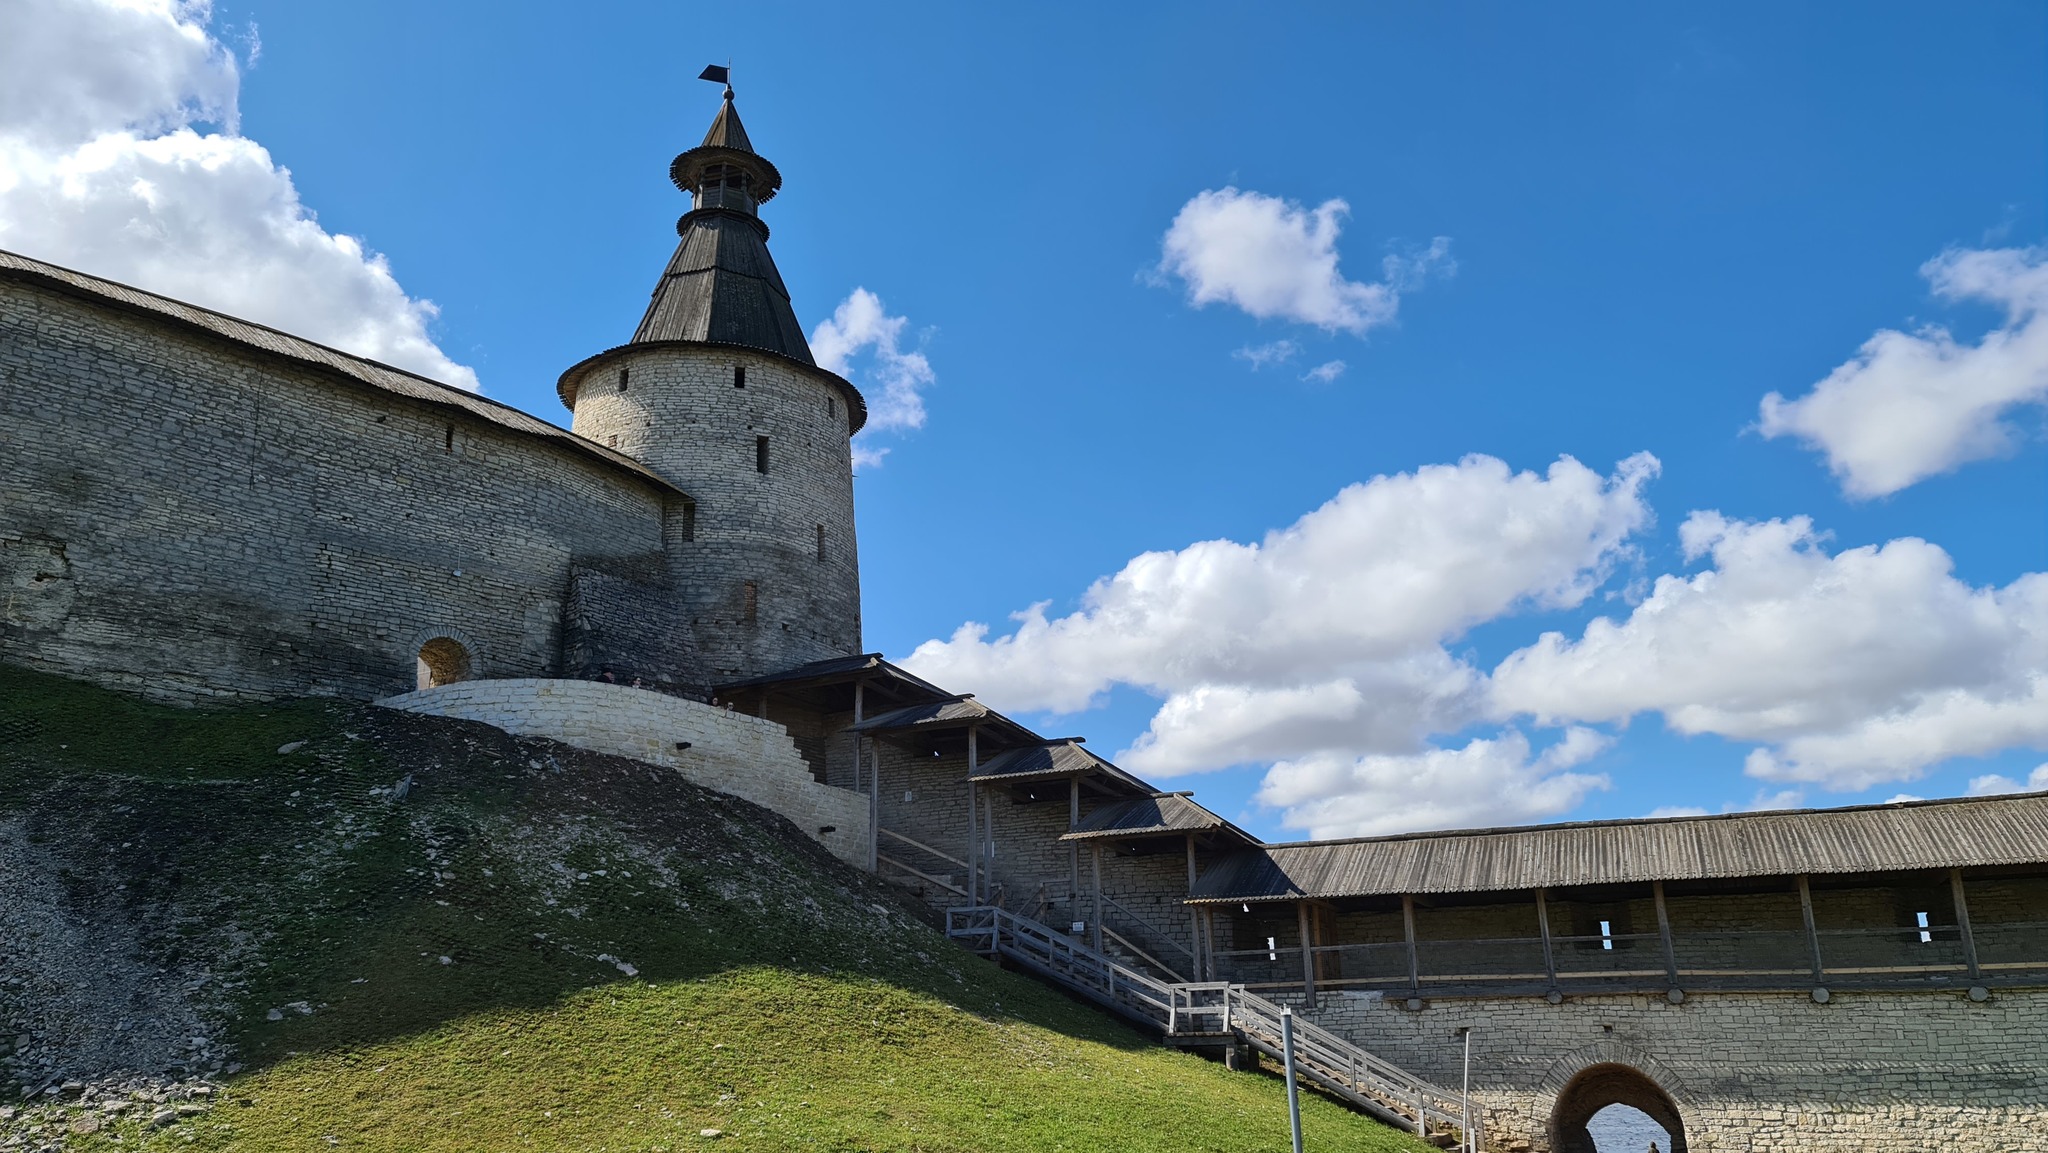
{"x": 315, "y": 925}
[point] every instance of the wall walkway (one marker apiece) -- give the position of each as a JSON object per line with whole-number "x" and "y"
{"x": 749, "y": 757}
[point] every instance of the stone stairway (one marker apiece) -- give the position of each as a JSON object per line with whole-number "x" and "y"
{"x": 1227, "y": 1014}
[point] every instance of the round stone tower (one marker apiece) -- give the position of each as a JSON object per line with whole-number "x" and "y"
{"x": 718, "y": 392}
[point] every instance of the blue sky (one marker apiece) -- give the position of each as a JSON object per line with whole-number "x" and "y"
{"x": 1595, "y": 231}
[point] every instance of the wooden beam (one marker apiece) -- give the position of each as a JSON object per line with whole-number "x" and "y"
{"x": 973, "y": 841}
{"x": 1194, "y": 915}
{"x": 975, "y": 878}
{"x": 1812, "y": 934}
{"x": 1095, "y": 921}
{"x": 1308, "y": 956}
{"x": 1073, "y": 847}
{"x": 1408, "y": 933}
{"x": 988, "y": 820}
{"x": 1664, "y": 933}
{"x": 1209, "y": 940}
{"x": 1543, "y": 926}
{"x": 874, "y": 801}
{"x": 1955, "y": 888}
{"x": 859, "y": 738}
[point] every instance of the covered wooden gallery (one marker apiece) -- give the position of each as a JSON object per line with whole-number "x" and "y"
{"x": 1919, "y": 895}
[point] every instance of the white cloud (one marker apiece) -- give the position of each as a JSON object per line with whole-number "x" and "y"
{"x": 1274, "y": 258}
{"x": 1323, "y": 645}
{"x": 1993, "y": 783}
{"x": 1675, "y": 811}
{"x": 1850, "y": 669}
{"x": 1486, "y": 783}
{"x": 103, "y": 168}
{"x": 1325, "y": 372}
{"x": 1261, "y": 355}
{"x": 1914, "y": 405}
{"x": 861, "y": 323}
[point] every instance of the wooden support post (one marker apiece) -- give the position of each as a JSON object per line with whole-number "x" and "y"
{"x": 1209, "y": 940}
{"x": 988, "y": 822}
{"x": 1543, "y": 926}
{"x": 1408, "y": 934}
{"x": 1812, "y": 934}
{"x": 976, "y": 880}
{"x": 1095, "y": 913}
{"x": 874, "y": 801}
{"x": 973, "y": 839}
{"x": 1073, "y": 847}
{"x": 1664, "y": 934}
{"x": 1955, "y": 888}
{"x": 1194, "y": 914}
{"x": 859, "y": 688}
{"x": 1308, "y": 955}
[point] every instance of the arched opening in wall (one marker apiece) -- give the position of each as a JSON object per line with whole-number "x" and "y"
{"x": 443, "y": 661}
{"x": 1610, "y": 1108}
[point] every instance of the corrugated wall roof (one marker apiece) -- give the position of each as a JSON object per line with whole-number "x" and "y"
{"x": 1878, "y": 838}
{"x": 274, "y": 342}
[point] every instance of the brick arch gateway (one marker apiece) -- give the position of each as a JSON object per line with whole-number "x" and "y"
{"x": 1610, "y": 1083}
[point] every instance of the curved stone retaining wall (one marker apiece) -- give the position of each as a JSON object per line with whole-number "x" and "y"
{"x": 749, "y": 757}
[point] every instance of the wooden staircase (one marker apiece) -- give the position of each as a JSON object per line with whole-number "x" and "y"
{"x": 1227, "y": 1013}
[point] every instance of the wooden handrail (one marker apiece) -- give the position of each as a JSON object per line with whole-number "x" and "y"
{"x": 951, "y": 860}
{"x": 943, "y": 884}
{"x": 1183, "y": 1008}
{"x": 1162, "y": 966}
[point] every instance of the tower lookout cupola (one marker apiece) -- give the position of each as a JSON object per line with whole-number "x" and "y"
{"x": 717, "y": 392}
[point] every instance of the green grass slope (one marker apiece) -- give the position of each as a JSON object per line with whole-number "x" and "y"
{"x": 525, "y": 946}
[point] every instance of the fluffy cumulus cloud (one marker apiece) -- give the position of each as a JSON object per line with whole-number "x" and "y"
{"x": 1911, "y": 405}
{"x": 104, "y": 167}
{"x": 1992, "y": 783}
{"x": 1324, "y": 642}
{"x": 862, "y": 342}
{"x": 1276, "y": 259}
{"x": 1488, "y": 782}
{"x": 1325, "y": 372}
{"x": 1849, "y": 668}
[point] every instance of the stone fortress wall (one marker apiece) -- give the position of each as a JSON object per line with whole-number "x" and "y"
{"x": 717, "y": 748}
{"x": 1883, "y": 1072}
{"x": 191, "y": 517}
{"x": 771, "y": 576}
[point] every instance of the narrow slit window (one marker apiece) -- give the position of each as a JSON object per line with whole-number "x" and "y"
{"x": 750, "y": 601}
{"x": 831, "y": 407}
{"x": 739, "y": 376}
{"x": 624, "y": 375}
{"x": 760, "y": 454}
{"x": 1926, "y": 934}
{"x": 689, "y": 521}
{"x": 821, "y": 542}
{"x": 1607, "y": 935}
{"x": 448, "y": 439}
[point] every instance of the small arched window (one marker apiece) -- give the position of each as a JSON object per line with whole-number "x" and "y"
{"x": 442, "y": 661}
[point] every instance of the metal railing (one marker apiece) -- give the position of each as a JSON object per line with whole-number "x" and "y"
{"x": 1220, "y": 1009}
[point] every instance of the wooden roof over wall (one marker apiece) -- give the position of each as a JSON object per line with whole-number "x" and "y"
{"x": 2009, "y": 830}
{"x": 358, "y": 370}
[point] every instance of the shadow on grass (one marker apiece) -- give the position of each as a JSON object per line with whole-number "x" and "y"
{"x": 365, "y": 875}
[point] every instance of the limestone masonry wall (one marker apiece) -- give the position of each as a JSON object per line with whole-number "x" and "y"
{"x": 771, "y": 579}
{"x": 731, "y": 752}
{"x": 1876, "y": 1072}
{"x": 190, "y": 518}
